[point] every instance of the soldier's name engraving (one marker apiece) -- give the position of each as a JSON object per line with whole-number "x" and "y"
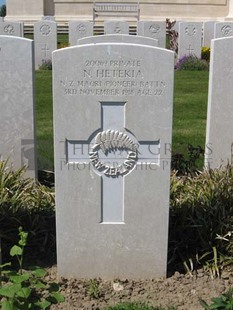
{"x": 113, "y": 78}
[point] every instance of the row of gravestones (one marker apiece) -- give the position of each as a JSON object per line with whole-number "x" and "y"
{"x": 113, "y": 107}
{"x": 189, "y": 40}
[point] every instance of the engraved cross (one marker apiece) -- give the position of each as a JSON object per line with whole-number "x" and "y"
{"x": 113, "y": 152}
{"x": 45, "y": 49}
{"x": 190, "y": 50}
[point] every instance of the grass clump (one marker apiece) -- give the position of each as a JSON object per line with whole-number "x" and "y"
{"x": 46, "y": 65}
{"x": 192, "y": 63}
{"x": 201, "y": 220}
{"x": 26, "y": 203}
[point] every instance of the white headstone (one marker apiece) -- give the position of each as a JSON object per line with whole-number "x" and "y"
{"x": 45, "y": 37}
{"x": 116, "y": 27}
{"x": 208, "y": 33}
{"x": 189, "y": 40}
{"x": 17, "y": 139}
{"x": 113, "y": 117}
{"x": 9, "y": 28}
{"x": 78, "y": 30}
{"x": 1, "y": 19}
{"x": 153, "y": 29}
{"x": 223, "y": 29}
{"x": 120, "y": 38}
{"x": 219, "y": 134}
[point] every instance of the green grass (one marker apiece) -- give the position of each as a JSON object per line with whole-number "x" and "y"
{"x": 44, "y": 119}
{"x": 190, "y": 110}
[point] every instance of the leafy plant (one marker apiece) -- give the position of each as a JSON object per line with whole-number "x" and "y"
{"x": 3, "y": 10}
{"x": 224, "y": 302}
{"x": 46, "y": 65}
{"x": 172, "y": 35}
{"x": 192, "y": 63}
{"x": 201, "y": 212}
{"x": 205, "y": 53}
{"x": 187, "y": 165}
{"x": 26, "y": 203}
{"x": 26, "y": 289}
{"x": 94, "y": 289}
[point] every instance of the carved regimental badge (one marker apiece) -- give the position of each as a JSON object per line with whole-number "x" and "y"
{"x": 45, "y": 30}
{"x": 9, "y": 29}
{"x": 112, "y": 141}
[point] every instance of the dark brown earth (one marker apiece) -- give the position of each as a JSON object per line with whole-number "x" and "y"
{"x": 182, "y": 291}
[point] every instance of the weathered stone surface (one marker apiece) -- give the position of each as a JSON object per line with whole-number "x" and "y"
{"x": 10, "y": 28}
{"x": 45, "y": 37}
{"x": 119, "y": 38}
{"x": 189, "y": 40}
{"x": 78, "y": 30}
{"x": 223, "y": 29}
{"x": 116, "y": 27}
{"x": 208, "y": 33}
{"x": 153, "y": 29}
{"x": 219, "y": 134}
{"x": 17, "y": 139}
{"x": 113, "y": 123}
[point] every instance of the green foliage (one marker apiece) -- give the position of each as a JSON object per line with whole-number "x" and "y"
{"x": 3, "y": 10}
{"x": 23, "y": 202}
{"x": 26, "y": 289}
{"x": 224, "y": 302}
{"x": 46, "y": 65}
{"x": 137, "y": 306}
{"x": 201, "y": 220}
{"x": 94, "y": 289}
{"x": 192, "y": 63}
{"x": 205, "y": 53}
{"x": 183, "y": 165}
{"x": 172, "y": 35}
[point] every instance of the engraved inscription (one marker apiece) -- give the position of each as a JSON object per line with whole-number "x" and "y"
{"x": 190, "y": 30}
{"x": 9, "y": 29}
{"x": 117, "y": 30}
{"x": 112, "y": 141}
{"x": 226, "y": 30}
{"x": 113, "y": 78}
{"x": 154, "y": 29}
{"x": 81, "y": 28}
{"x": 45, "y": 30}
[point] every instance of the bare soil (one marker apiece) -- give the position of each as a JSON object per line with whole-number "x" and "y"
{"x": 180, "y": 290}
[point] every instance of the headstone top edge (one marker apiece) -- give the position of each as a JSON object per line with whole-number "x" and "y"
{"x": 16, "y": 38}
{"x": 112, "y": 44}
{"x": 222, "y": 38}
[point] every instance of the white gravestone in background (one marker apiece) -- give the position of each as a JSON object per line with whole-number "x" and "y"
{"x": 45, "y": 37}
{"x": 9, "y": 28}
{"x": 223, "y": 29}
{"x": 208, "y": 33}
{"x": 78, "y": 30}
{"x": 17, "y": 139}
{"x": 189, "y": 40}
{"x": 219, "y": 133}
{"x": 113, "y": 123}
{"x": 120, "y": 38}
{"x": 155, "y": 30}
{"x": 116, "y": 27}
